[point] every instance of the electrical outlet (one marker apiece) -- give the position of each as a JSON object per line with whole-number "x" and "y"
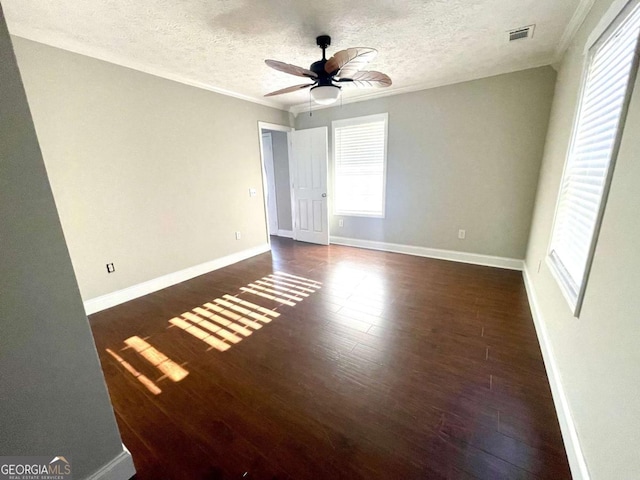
{"x": 238, "y": 236}
{"x": 341, "y": 222}
{"x": 252, "y": 192}
{"x": 462, "y": 234}
{"x": 110, "y": 268}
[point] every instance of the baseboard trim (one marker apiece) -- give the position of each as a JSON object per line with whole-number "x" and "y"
{"x": 463, "y": 257}
{"x": 116, "y": 298}
{"x": 577, "y": 462}
{"x": 120, "y": 468}
{"x": 285, "y": 233}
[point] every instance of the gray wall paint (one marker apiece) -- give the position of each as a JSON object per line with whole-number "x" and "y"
{"x": 53, "y": 396}
{"x": 597, "y": 355}
{"x": 147, "y": 173}
{"x": 464, "y": 156}
{"x": 283, "y": 191}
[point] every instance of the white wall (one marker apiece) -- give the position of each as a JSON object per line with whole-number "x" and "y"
{"x": 597, "y": 355}
{"x": 464, "y": 156}
{"x": 147, "y": 173}
{"x": 52, "y": 394}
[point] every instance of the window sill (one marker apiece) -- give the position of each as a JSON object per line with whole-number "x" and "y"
{"x": 356, "y": 214}
{"x": 572, "y": 302}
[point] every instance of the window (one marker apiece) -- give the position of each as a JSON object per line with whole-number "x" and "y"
{"x": 360, "y": 164}
{"x": 611, "y": 70}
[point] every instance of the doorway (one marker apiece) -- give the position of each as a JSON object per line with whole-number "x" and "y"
{"x": 295, "y": 170}
{"x": 274, "y": 150}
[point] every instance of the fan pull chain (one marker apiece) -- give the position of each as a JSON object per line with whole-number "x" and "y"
{"x": 310, "y": 111}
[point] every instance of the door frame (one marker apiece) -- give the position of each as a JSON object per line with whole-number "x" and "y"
{"x": 272, "y": 203}
{"x": 278, "y": 128}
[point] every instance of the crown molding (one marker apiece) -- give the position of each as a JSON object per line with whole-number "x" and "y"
{"x": 580, "y": 14}
{"x": 380, "y": 93}
{"x": 34, "y": 35}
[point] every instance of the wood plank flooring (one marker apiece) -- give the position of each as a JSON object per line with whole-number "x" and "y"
{"x": 378, "y": 366}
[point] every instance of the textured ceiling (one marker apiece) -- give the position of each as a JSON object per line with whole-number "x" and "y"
{"x": 222, "y": 44}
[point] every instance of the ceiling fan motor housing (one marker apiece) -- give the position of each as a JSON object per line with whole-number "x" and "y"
{"x": 324, "y": 77}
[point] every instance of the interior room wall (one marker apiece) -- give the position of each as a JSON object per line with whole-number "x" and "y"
{"x": 596, "y": 355}
{"x": 283, "y": 190}
{"x": 464, "y": 156}
{"x": 147, "y": 173}
{"x": 53, "y": 396}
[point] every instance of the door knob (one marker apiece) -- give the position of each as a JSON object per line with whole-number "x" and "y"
{"x": 324, "y": 195}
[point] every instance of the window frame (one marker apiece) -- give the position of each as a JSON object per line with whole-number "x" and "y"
{"x": 599, "y": 36}
{"x": 360, "y": 121}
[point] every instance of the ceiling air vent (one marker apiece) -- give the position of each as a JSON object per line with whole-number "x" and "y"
{"x": 521, "y": 33}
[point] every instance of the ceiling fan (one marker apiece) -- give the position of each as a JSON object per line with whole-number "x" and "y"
{"x": 344, "y": 67}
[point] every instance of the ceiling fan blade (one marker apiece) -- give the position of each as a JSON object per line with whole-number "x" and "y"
{"x": 347, "y": 62}
{"x": 290, "y": 69}
{"x": 367, "y": 79}
{"x": 290, "y": 89}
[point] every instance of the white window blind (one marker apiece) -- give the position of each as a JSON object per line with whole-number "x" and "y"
{"x": 607, "y": 87}
{"x": 359, "y": 153}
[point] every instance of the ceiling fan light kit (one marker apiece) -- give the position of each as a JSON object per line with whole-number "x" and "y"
{"x": 344, "y": 67}
{"x": 325, "y": 94}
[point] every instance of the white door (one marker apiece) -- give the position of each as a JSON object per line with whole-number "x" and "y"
{"x": 272, "y": 206}
{"x": 308, "y": 170}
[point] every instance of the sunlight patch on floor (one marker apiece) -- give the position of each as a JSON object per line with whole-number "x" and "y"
{"x": 220, "y": 324}
{"x": 164, "y": 364}
{"x": 144, "y": 380}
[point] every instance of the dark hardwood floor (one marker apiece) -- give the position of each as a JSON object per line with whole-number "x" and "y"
{"x": 390, "y": 367}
